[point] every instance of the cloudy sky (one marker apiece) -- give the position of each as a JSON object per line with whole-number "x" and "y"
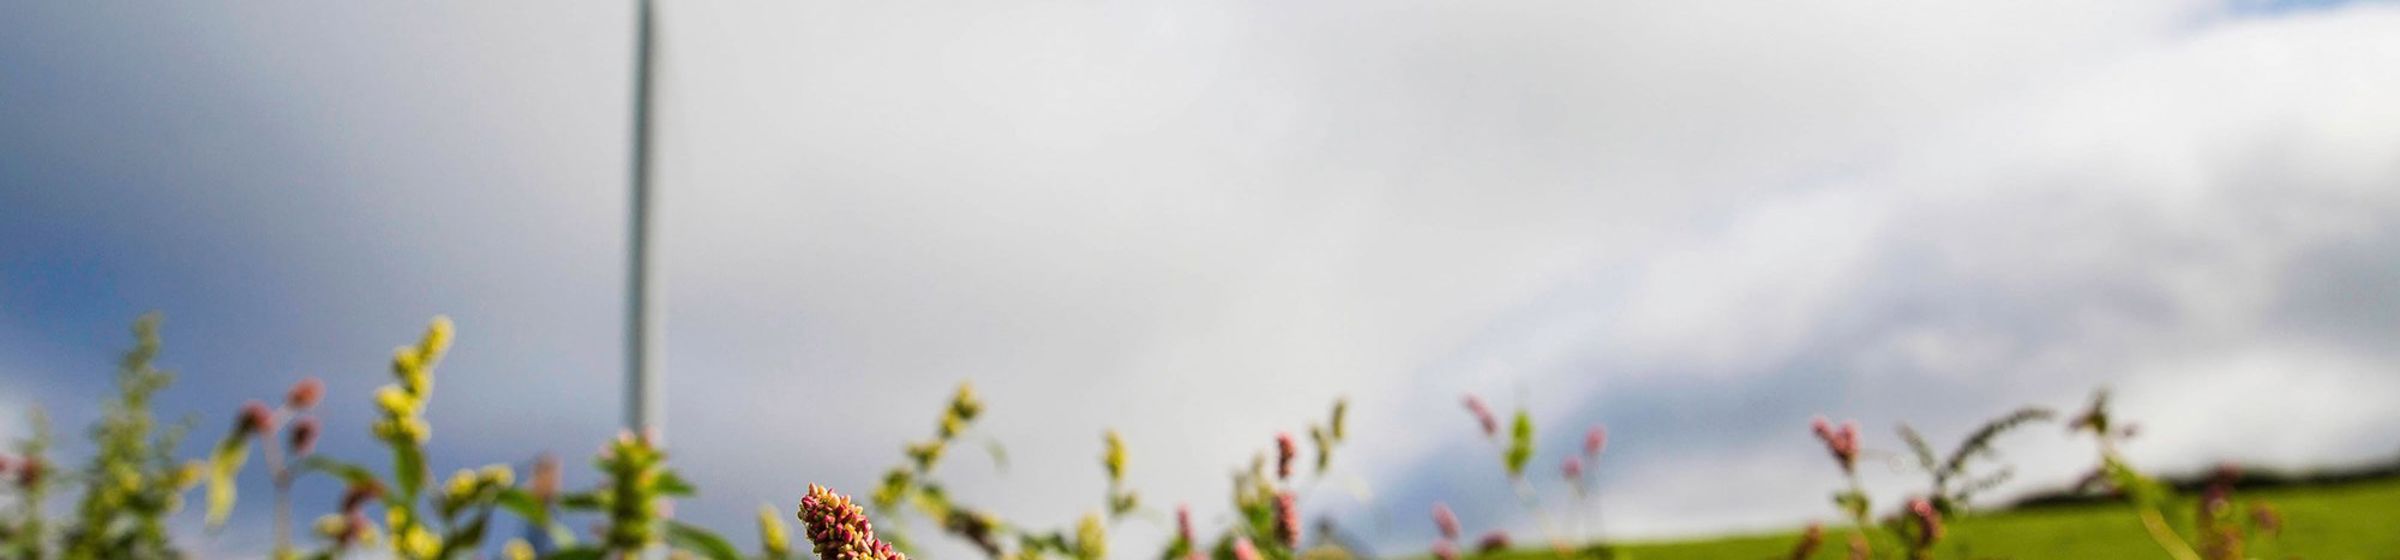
{"x": 1697, "y": 223}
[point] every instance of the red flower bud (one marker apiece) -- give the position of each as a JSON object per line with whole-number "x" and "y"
{"x": 304, "y": 394}
{"x": 304, "y": 436}
{"x": 255, "y": 419}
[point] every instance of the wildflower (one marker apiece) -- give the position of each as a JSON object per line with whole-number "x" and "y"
{"x": 304, "y": 436}
{"x": 1113, "y": 456}
{"x": 1242, "y": 550}
{"x": 1091, "y": 538}
{"x": 1494, "y": 541}
{"x": 1443, "y": 550}
{"x": 771, "y": 535}
{"x": 839, "y": 529}
{"x": 1929, "y": 522}
{"x": 1593, "y": 441}
{"x": 1287, "y": 519}
{"x": 1809, "y": 541}
{"x": 1483, "y": 416}
{"x": 1285, "y": 450}
{"x": 255, "y": 419}
{"x": 305, "y": 394}
{"x": 1445, "y": 520}
{"x": 1842, "y": 442}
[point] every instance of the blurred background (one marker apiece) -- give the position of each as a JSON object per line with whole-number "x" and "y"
{"x": 1699, "y": 224}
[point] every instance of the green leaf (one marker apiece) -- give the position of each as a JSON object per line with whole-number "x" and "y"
{"x": 1520, "y": 444}
{"x": 350, "y": 473}
{"x": 578, "y": 553}
{"x": 465, "y": 539}
{"x": 687, "y": 537}
{"x": 584, "y": 501}
{"x": 671, "y": 484}
{"x": 1923, "y": 452}
{"x": 223, "y": 466}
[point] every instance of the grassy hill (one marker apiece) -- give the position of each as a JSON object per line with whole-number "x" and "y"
{"x": 2347, "y": 521}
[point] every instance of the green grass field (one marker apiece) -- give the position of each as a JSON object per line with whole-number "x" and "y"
{"x": 2354, "y": 521}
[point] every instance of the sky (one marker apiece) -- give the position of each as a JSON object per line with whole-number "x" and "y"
{"x": 1698, "y": 224}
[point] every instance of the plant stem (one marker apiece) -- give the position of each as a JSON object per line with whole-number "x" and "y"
{"x": 2157, "y": 526}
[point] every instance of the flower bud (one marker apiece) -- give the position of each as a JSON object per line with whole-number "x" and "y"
{"x": 1443, "y": 550}
{"x": 1929, "y": 522}
{"x": 839, "y": 529}
{"x": 304, "y": 394}
{"x": 1445, "y": 520}
{"x": 1183, "y": 524}
{"x": 1494, "y": 541}
{"x": 1573, "y": 469}
{"x": 1593, "y": 441}
{"x": 1287, "y": 520}
{"x": 255, "y": 419}
{"x": 1242, "y": 550}
{"x": 304, "y": 436}
{"x": 1483, "y": 416}
{"x": 1285, "y": 451}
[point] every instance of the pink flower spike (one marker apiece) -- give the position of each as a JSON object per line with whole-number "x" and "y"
{"x": 1445, "y": 520}
{"x": 1593, "y": 441}
{"x": 1242, "y": 549}
{"x": 1483, "y": 416}
{"x": 1285, "y": 451}
{"x": 1573, "y": 469}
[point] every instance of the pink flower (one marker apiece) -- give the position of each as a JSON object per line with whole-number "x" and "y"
{"x": 1443, "y": 550}
{"x": 1483, "y": 416}
{"x": 1287, "y": 520}
{"x": 1573, "y": 469}
{"x": 1593, "y": 441}
{"x": 1842, "y": 443}
{"x": 1285, "y": 451}
{"x": 1242, "y": 549}
{"x": 840, "y": 529}
{"x": 1183, "y": 523}
{"x": 1445, "y": 520}
{"x": 1929, "y": 521}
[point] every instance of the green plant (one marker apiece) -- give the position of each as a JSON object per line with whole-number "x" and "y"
{"x": 912, "y": 486}
{"x": 24, "y": 535}
{"x": 1952, "y": 485}
{"x": 134, "y": 482}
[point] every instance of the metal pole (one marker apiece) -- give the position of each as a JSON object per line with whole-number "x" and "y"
{"x": 645, "y": 407}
